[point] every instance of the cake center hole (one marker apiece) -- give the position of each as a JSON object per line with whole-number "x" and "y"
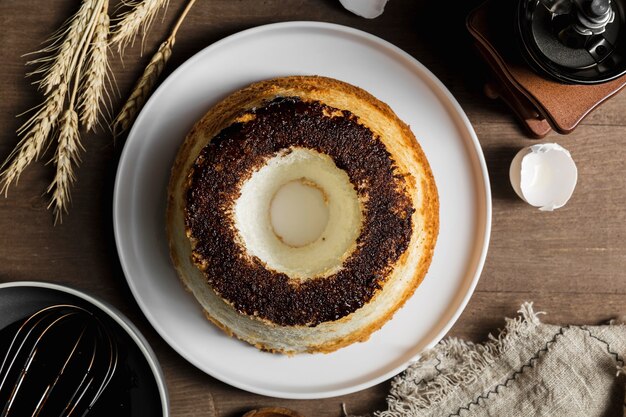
{"x": 299, "y": 212}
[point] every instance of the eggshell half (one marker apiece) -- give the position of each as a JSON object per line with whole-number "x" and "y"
{"x": 544, "y": 175}
{"x": 365, "y": 8}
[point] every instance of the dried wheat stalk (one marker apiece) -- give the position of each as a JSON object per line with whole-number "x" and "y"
{"x": 94, "y": 79}
{"x": 61, "y": 67}
{"x": 57, "y": 65}
{"x": 141, "y": 91}
{"x": 143, "y": 88}
{"x": 73, "y": 70}
{"x": 65, "y": 157}
{"x": 68, "y": 141}
{"x": 138, "y": 18}
{"x": 36, "y": 132}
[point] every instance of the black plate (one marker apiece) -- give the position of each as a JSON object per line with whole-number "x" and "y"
{"x": 134, "y": 390}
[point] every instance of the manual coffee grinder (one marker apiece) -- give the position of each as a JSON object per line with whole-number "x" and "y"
{"x": 552, "y": 61}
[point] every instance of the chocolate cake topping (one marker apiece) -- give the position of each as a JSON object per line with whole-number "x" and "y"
{"x": 240, "y": 149}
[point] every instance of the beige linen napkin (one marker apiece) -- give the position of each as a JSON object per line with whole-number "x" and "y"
{"x": 530, "y": 369}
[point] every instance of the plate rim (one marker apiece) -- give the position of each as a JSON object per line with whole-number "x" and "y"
{"x": 471, "y": 139}
{"x": 117, "y": 316}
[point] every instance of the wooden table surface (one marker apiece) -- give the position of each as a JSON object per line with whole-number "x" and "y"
{"x": 570, "y": 262}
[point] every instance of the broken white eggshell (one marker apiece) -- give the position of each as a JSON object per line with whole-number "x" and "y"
{"x": 368, "y": 9}
{"x": 544, "y": 175}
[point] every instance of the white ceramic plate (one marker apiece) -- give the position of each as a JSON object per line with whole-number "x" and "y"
{"x": 303, "y": 48}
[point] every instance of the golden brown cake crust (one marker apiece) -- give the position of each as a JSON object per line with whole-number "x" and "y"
{"x": 419, "y": 179}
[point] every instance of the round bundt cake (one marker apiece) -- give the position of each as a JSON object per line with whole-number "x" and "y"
{"x": 302, "y": 213}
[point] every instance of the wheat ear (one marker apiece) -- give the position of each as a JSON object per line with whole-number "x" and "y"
{"x": 65, "y": 157}
{"x": 68, "y": 146}
{"x": 93, "y": 87}
{"x": 141, "y": 91}
{"x": 36, "y": 132}
{"x": 56, "y": 67}
{"x": 60, "y": 61}
{"x": 138, "y": 18}
{"x": 143, "y": 88}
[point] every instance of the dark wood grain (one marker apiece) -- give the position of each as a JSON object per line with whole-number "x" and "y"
{"x": 571, "y": 262}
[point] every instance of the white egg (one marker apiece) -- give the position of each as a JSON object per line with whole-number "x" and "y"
{"x": 544, "y": 175}
{"x": 365, "y": 8}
